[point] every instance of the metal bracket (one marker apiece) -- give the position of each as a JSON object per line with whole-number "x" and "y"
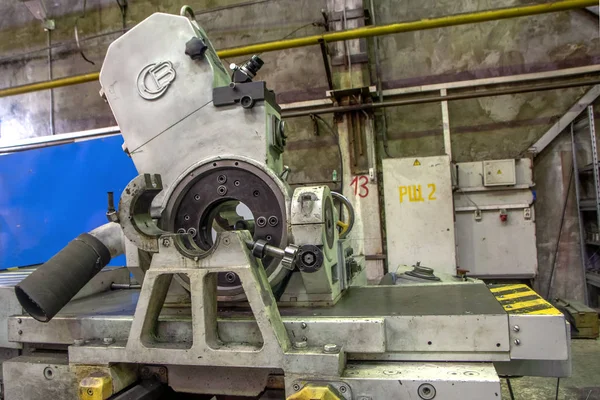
{"x": 134, "y": 211}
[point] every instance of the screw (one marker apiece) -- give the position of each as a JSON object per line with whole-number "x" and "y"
{"x": 79, "y": 342}
{"x": 226, "y": 241}
{"x": 236, "y": 183}
{"x": 256, "y": 193}
{"x": 90, "y": 392}
{"x": 48, "y": 374}
{"x": 343, "y": 389}
{"x": 186, "y": 218}
{"x": 19, "y": 320}
{"x": 301, "y": 344}
{"x": 20, "y": 332}
{"x": 162, "y": 370}
{"x": 516, "y": 328}
{"x": 517, "y": 342}
{"x": 192, "y": 232}
{"x": 296, "y": 387}
{"x": 197, "y": 197}
{"x": 166, "y": 242}
{"x": 273, "y": 220}
{"x": 303, "y": 325}
{"x": 331, "y": 348}
{"x": 222, "y": 190}
{"x": 221, "y": 179}
{"x": 261, "y": 221}
{"x": 230, "y": 277}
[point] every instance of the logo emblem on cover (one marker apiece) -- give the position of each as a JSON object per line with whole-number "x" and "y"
{"x": 154, "y": 79}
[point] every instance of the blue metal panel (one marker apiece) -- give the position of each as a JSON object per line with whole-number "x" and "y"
{"x": 51, "y": 195}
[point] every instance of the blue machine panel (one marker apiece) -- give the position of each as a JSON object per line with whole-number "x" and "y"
{"x": 51, "y": 195}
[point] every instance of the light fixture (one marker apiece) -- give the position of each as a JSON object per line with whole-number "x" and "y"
{"x": 38, "y": 9}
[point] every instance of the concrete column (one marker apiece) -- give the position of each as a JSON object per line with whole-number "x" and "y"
{"x": 359, "y": 182}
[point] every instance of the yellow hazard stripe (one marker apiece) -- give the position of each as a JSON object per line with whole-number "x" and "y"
{"x": 549, "y": 311}
{"x": 505, "y": 288}
{"x": 520, "y": 299}
{"x": 524, "y": 304}
{"x": 517, "y": 295}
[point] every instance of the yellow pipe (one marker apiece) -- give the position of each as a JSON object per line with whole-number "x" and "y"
{"x": 55, "y": 83}
{"x": 357, "y": 33}
{"x": 423, "y": 24}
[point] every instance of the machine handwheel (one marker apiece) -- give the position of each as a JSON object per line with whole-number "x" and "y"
{"x": 348, "y": 222}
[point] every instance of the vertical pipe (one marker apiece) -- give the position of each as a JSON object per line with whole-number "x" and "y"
{"x": 579, "y": 215}
{"x": 379, "y": 84}
{"x": 50, "y": 77}
{"x": 446, "y": 125}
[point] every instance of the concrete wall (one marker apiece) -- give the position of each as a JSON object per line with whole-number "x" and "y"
{"x": 500, "y": 127}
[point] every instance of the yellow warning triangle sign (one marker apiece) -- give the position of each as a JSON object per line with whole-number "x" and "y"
{"x": 499, "y": 172}
{"x": 416, "y": 163}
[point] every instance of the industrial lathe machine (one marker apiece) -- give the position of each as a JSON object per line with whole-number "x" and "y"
{"x": 235, "y": 284}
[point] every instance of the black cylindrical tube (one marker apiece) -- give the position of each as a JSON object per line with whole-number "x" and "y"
{"x": 52, "y": 285}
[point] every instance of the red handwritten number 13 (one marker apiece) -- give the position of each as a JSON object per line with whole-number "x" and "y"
{"x": 361, "y": 189}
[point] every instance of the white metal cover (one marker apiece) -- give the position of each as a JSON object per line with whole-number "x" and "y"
{"x": 499, "y": 172}
{"x": 419, "y": 212}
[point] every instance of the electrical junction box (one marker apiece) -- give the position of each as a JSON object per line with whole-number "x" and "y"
{"x": 499, "y": 173}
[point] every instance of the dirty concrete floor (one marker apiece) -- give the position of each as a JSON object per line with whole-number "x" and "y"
{"x": 584, "y": 383}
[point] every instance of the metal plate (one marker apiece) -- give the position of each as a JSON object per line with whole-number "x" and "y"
{"x": 61, "y": 186}
{"x": 376, "y": 301}
{"x": 419, "y": 212}
{"x": 39, "y": 378}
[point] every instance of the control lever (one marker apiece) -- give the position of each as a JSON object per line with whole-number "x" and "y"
{"x": 261, "y": 249}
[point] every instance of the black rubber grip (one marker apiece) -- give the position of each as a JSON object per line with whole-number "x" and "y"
{"x": 53, "y": 284}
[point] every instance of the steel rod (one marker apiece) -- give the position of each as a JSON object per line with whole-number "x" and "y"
{"x": 369, "y": 31}
{"x": 435, "y": 99}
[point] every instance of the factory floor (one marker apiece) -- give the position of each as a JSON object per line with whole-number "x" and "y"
{"x": 584, "y": 383}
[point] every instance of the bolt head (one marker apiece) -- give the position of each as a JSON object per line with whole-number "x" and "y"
{"x": 166, "y": 242}
{"x": 517, "y": 342}
{"x": 108, "y": 340}
{"x": 516, "y": 328}
{"x": 331, "y": 348}
{"x": 301, "y": 344}
{"x": 303, "y": 325}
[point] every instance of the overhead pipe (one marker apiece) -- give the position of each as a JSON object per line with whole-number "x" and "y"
{"x": 424, "y": 24}
{"x": 437, "y": 99}
{"x": 327, "y": 37}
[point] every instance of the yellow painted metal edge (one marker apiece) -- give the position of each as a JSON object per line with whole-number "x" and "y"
{"x": 520, "y": 291}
